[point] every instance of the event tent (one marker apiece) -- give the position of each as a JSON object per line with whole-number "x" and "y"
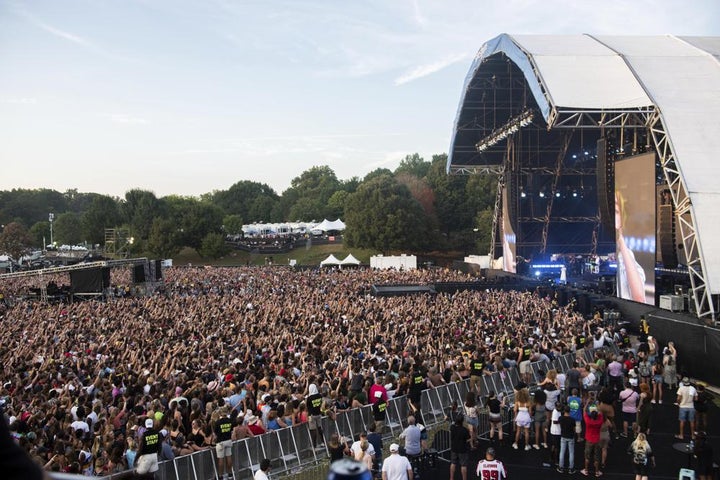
{"x": 350, "y": 260}
{"x": 330, "y": 260}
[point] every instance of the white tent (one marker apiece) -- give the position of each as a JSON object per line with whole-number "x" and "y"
{"x": 350, "y": 260}
{"x": 327, "y": 225}
{"x": 330, "y": 260}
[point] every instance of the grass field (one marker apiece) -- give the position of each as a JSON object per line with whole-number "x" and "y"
{"x": 304, "y": 256}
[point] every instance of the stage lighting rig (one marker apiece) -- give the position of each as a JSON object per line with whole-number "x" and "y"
{"x": 511, "y": 127}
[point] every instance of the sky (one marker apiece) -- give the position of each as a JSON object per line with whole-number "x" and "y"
{"x": 190, "y": 96}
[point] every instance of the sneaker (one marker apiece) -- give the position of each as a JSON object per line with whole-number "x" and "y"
{"x": 527, "y": 447}
{"x": 624, "y": 435}
{"x": 560, "y": 470}
{"x": 584, "y": 472}
{"x": 653, "y": 401}
{"x": 536, "y": 446}
{"x": 598, "y": 474}
{"x": 544, "y": 445}
{"x": 572, "y": 471}
{"x": 515, "y": 446}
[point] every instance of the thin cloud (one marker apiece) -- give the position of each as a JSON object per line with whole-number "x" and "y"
{"x": 19, "y": 101}
{"x": 71, "y": 37}
{"x": 126, "y": 119}
{"x": 425, "y": 70}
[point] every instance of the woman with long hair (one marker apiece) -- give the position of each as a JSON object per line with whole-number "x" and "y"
{"x": 471, "y": 418}
{"x": 642, "y": 456}
{"x": 522, "y": 417}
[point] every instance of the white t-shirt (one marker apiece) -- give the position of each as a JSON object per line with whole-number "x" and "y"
{"x": 396, "y": 467}
{"x": 80, "y": 425}
{"x": 555, "y": 422}
{"x": 491, "y": 470}
{"x": 686, "y": 394}
{"x": 260, "y": 475}
{"x": 355, "y": 448}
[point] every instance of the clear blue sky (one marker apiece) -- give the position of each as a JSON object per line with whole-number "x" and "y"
{"x": 186, "y": 97}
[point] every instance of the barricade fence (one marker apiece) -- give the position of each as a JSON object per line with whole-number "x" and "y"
{"x": 292, "y": 450}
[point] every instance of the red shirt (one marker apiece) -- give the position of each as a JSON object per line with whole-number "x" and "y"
{"x": 375, "y": 390}
{"x": 592, "y": 427}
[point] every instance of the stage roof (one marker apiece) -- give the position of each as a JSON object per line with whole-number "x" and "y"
{"x": 679, "y": 77}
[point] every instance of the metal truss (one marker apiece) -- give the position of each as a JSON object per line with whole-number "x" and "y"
{"x": 477, "y": 169}
{"x": 558, "y": 219}
{"x": 703, "y": 298}
{"x": 632, "y": 118}
{"x": 496, "y": 215}
{"x": 556, "y": 178}
{"x": 77, "y": 266}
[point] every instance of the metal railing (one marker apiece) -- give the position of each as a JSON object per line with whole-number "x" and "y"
{"x": 291, "y": 449}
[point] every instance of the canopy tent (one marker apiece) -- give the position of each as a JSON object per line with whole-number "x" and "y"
{"x": 350, "y": 260}
{"x": 330, "y": 260}
{"x": 328, "y": 226}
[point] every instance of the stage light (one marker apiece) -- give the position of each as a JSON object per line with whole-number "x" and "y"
{"x": 511, "y": 127}
{"x": 542, "y": 194}
{"x": 523, "y": 195}
{"x": 575, "y": 194}
{"x": 557, "y": 194}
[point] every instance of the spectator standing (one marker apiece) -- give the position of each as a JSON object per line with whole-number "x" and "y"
{"x": 222, "y": 431}
{"x": 412, "y": 435}
{"x": 701, "y": 407}
{"x": 396, "y": 467}
{"x": 593, "y": 423}
{"x": 704, "y": 455}
{"x": 642, "y": 455}
{"x": 644, "y": 409}
{"x": 147, "y": 461}
{"x": 575, "y": 405}
{"x": 495, "y": 406}
{"x": 490, "y": 468}
{"x": 629, "y": 400}
{"x": 670, "y": 366}
{"x": 567, "y": 441}
{"x": 471, "y": 417}
{"x": 657, "y": 382}
{"x": 314, "y": 403}
{"x": 459, "y": 440}
{"x": 523, "y": 420}
{"x": 686, "y": 396}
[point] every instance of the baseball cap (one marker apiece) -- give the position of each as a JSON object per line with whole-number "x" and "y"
{"x": 686, "y": 381}
{"x": 394, "y": 447}
{"x": 490, "y": 451}
{"x": 148, "y": 423}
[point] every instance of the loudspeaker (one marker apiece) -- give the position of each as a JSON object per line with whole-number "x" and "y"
{"x": 158, "y": 270}
{"x": 139, "y": 274}
{"x": 512, "y": 197}
{"x": 666, "y": 236}
{"x": 93, "y": 280}
{"x": 605, "y": 174}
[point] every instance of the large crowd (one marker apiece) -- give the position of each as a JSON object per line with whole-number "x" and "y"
{"x": 81, "y": 380}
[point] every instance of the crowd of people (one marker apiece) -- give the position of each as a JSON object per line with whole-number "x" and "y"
{"x": 220, "y": 354}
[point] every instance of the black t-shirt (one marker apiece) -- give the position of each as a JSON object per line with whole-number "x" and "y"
{"x": 223, "y": 429}
{"x": 477, "y": 366}
{"x": 567, "y": 426}
{"x": 494, "y": 405}
{"x": 459, "y": 436}
{"x": 314, "y": 404}
{"x": 417, "y": 385}
{"x": 379, "y": 409}
{"x": 150, "y": 442}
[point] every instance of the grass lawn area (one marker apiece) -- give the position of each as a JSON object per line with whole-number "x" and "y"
{"x": 304, "y": 256}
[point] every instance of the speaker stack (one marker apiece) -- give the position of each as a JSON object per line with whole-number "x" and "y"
{"x": 605, "y": 174}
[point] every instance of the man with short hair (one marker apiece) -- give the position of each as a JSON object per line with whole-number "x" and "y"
{"x": 261, "y": 473}
{"x": 412, "y": 435}
{"x": 489, "y": 468}
{"x": 396, "y": 467}
{"x": 686, "y": 396}
{"x": 459, "y": 438}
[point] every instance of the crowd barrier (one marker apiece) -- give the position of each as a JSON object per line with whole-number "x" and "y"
{"x": 291, "y": 449}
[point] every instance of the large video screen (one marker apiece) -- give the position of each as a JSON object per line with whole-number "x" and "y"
{"x": 508, "y": 236}
{"x": 635, "y": 227}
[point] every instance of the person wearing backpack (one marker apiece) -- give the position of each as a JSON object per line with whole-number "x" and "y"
{"x": 641, "y": 455}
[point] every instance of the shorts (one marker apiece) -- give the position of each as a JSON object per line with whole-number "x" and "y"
{"x": 687, "y": 414}
{"x": 523, "y": 419}
{"x": 604, "y": 438}
{"x": 657, "y": 379}
{"x": 495, "y": 417}
{"x": 314, "y": 422}
{"x": 592, "y": 451}
{"x": 525, "y": 367}
{"x": 629, "y": 417}
{"x": 147, "y": 463}
{"x": 459, "y": 459}
{"x": 472, "y": 421}
{"x": 224, "y": 449}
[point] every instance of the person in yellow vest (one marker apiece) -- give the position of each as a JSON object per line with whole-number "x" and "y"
{"x": 222, "y": 431}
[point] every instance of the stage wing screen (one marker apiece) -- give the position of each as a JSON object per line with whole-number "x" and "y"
{"x": 508, "y": 235}
{"x": 635, "y": 227}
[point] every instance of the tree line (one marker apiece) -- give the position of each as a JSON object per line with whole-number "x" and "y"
{"x": 416, "y": 208}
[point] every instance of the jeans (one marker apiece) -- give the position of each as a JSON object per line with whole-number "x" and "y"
{"x": 567, "y": 444}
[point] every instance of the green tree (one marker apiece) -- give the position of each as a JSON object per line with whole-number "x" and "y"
{"x": 213, "y": 246}
{"x": 253, "y": 201}
{"x": 382, "y": 215}
{"x": 232, "y": 224}
{"x": 164, "y": 239}
{"x": 483, "y": 231}
{"x": 336, "y": 204}
{"x": 308, "y": 195}
{"x": 414, "y": 165}
{"x": 452, "y": 207}
{"x": 193, "y": 218}
{"x": 67, "y": 229}
{"x": 29, "y": 206}
{"x": 15, "y": 240}
{"x": 103, "y": 212}
{"x": 40, "y": 234}
{"x": 140, "y": 209}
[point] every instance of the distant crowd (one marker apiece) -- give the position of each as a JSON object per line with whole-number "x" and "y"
{"x": 80, "y": 381}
